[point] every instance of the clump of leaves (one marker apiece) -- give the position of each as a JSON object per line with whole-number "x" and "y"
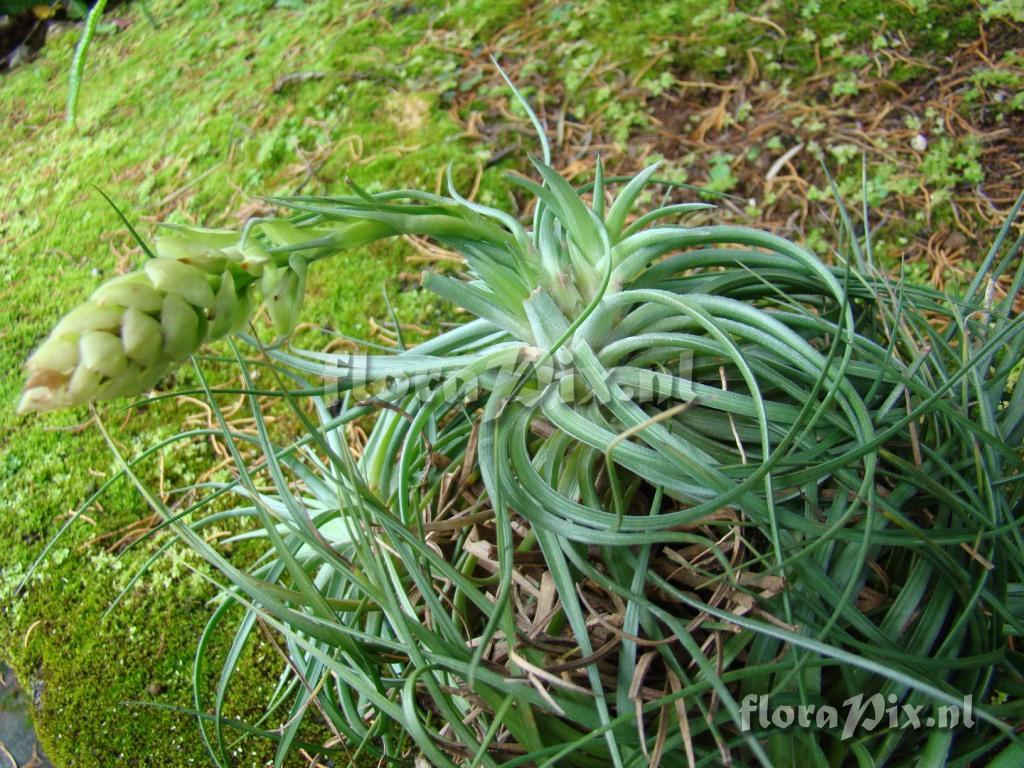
{"x": 664, "y": 468}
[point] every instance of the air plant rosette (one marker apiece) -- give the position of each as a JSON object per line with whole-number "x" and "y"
{"x": 663, "y": 468}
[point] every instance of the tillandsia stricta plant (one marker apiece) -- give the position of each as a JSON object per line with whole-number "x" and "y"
{"x": 664, "y": 471}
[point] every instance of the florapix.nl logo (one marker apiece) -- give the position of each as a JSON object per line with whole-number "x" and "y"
{"x": 525, "y": 375}
{"x": 857, "y": 714}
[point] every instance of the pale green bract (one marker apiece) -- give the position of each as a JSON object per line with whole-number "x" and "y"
{"x": 138, "y": 327}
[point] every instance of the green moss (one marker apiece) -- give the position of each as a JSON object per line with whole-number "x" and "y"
{"x": 928, "y": 26}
